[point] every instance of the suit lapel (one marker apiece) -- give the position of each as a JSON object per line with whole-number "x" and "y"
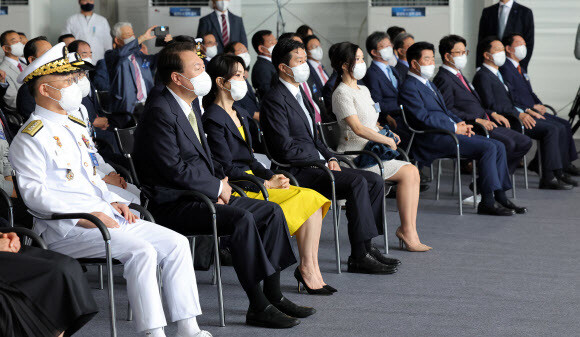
{"x": 511, "y": 18}
{"x": 217, "y": 26}
{"x": 383, "y": 75}
{"x": 293, "y": 103}
{"x": 246, "y": 128}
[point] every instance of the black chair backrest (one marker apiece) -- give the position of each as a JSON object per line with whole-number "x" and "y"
{"x": 330, "y": 134}
{"x": 125, "y": 139}
{"x": 413, "y": 131}
{"x": 21, "y": 231}
{"x": 6, "y": 127}
{"x": 104, "y": 100}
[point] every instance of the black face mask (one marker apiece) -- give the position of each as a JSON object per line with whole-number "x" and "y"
{"x": 87, "y": 7}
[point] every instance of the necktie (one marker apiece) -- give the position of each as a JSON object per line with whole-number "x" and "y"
{"x": 225, "y": 36}
{"x": 314, "y": 105}
{"x": 463, "y": 81}
{"x": 20, "y": 67}
{"x": 392, "y": 77}
{"x": 500, "y": 77}
{"x": 504, "y": 10}
{"x": 140, "y": 93}
{"x": 322, "y": 74}
{"x": 193, "y": 121}
{"x": 305, "y": 110}
{"x": 519, "y": 69}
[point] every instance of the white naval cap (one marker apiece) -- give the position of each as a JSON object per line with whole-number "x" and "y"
{"x": 54, "y": 61}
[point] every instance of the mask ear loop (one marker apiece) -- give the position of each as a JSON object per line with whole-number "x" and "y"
{"x": 184, "y": 87}
{"x": 59, "y": 90}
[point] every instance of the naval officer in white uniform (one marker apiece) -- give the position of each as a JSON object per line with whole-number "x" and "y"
{"x": 56, "y": 169}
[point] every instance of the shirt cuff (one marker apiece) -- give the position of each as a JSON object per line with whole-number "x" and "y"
{"x": 454, "y": 127}
{"x": 220, "y": 190}
{"x": 4, "y": 85}
{"x": 520, "y": 110}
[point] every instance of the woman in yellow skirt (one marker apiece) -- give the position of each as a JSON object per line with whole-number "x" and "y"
{"x": 227, "y": 129}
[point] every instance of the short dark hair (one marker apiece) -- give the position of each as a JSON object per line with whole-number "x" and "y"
{"x": 4, "y": 37}
{"x": 309, "y": 38}
{"x": 258, "y": 38}
{"x": 73, "y": 47}
{"x": 393, "y": 31}
{"x": 230, "y": 48}
{"x": 509, "y": 39}
{"x": 343, "y": 53}
{"x": 184, "y": 38}
{"x": 65, "y": 36}
{"x": 21, "y": 33}
{"x": 399, "y": 41}
{"x": 222, "y": 65}
{"x": 485, "y": 44}
{"x": 302, "y": 31}
{"x": 30, "y": 48}
{"x": 448, "y": 42}
{"x": 206, "y": 34}
{"x": 289, "y": 35}
{"x": 416, "y": 50}
{"x": 373, "y": 41}
{"x": 283, "y": 51}
{"x": 169, "y": 60}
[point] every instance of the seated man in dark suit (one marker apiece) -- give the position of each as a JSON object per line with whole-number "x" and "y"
{"x": 172, "y": 156}
{"x": 25, "y": 103}
{"x": 401, "y": 43}
{"x": 518, "y": 81}
{"x": 263, "y": 71}
{"x": 464, "y": 102}
{"x": 287, "y": 119}
{"x": 100, "y": 76}
{"x": 209, "y": 46}
{"x": 223, "y": 24}
{"x": 425, "y": 107}
{"x": 496, "y": 96}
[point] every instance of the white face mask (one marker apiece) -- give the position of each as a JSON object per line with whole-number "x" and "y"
{"x": 238, "y": 90}
{"x": 201, "y": 84}
{"x": 499, "y": 58}
{"x": 247, "y": 59}
{"x": 300, "y": 73}
{"x": 222, "y": 5}
{"x": 386, "y": 53}
{"x": 427, "y": 71}
{"x": 359, "y": 71}
{"x": 392, "y": 61}
{"x": 271, "y": 49}
{"x": 89, "y": 60}
{"x": 521, "y": 52}
{"x": 317, "y": 53}
{"x": 211, "y": 52}
{"x": 85, "y": 86}
{"x": 460, "y": 61}
{"x": 17, "y": 49}
{"x": 71, "y": 97}
{"x": 129, "y": 39}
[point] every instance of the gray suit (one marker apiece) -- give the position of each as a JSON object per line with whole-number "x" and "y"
{"x": 12, "y": 73}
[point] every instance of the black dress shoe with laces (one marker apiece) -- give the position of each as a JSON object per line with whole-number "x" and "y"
{"x": 567, "y": 179}
{"x": 572, "y": 170}
{"x": 292, "y": 309}
{"x": 270, "y": 318}
{"x": 376, "y": 253}
{"x": 554, "y": 184}
{"x": 367, "y": 264}
{"x": 497, "y": 210}
{"x": 512, "y": 206}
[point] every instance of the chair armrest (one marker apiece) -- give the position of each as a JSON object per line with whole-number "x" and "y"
{"x": 515, "y": 123}
{"x": 554, "y": 112}
{"x": 255, "y": 181}
{"x": 293, "y": 180}
{"x": 144, "y": 212}
{"x": 61, "y": 216}
{"x": 443, "y": 131}
{"x": 123, "y": 171}
{"x": 8, "y": 202}
{"x": 403, "y": 154}
{"x": 239, "y": 190}
{"x": 316, "y": 164}
{"x": 25, "y": 232}
{"x": 479, "y": 129}
{"x": 203, "y": 198}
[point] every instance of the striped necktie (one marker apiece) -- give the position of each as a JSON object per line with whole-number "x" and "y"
{"x": 225, "y": 35}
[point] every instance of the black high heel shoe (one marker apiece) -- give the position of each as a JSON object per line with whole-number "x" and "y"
{"x": 329, "y": 288}
{"x": 300, "y": 279}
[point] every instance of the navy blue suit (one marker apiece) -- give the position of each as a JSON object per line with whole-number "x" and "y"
{"x": 426, "y": 109}
{"x": 520, "y": 20}
{"x": 170, "y": 160}
{"x": 551, "y": 135}
{"x": 402, "y": 69}
{"x": 248, "y": 106}
{"x": 25, "y": 102}
{"x": 210, "y": 24}
{"x": 290, "y": 140}
{"x": 327, "y": 91}
{"x": 100, "y": 76}
{"x": 123, "y": 90}
{"x": 263, "y": 74}
{"x": 314, "y": 79}
{"x": 382, "y": 90}
{"x": 466, "y": 104}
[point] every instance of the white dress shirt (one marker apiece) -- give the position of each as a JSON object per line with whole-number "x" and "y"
{"x": 94, "y": 29}
{"x": 266, "y": 57}
{"x": 219, "y": 17}
{"x": 315, "y": 65}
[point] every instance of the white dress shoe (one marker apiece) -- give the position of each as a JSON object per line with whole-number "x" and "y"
{"x": 202, "y": 333}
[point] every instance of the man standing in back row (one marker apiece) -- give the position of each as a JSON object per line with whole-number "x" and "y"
{"x": 223, "y": 24}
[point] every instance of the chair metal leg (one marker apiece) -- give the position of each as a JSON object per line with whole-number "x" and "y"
{"x": 110, "y": 288}
{"x": 526, "y": 171}
{"x": 473, "y": 163}
{"x": 336, "y": 209}
{"x": 458, "y": 170}
{"x": 129, "y": 312}
{"x": 101, "y": 281}
{"x": 454, "y": 180}
{"x": 431, "y": 172}
{"x": 540, "y": 171}
{"x": 514, "y": 186}
{"x": 385, "y": 236}
{"x": 438, "y": 185}
{"x": 218, "y": 272}
{"x": 214, "y": 275}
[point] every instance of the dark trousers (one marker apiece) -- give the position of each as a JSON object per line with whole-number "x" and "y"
{"x": 555, "y": 138}
{"x": 491, "y": 159}
{"x": 257, "y": 229}
{"x": 364, "y": 193}
{"x": 567, "y": 144}
{"x": 516, "y": 145}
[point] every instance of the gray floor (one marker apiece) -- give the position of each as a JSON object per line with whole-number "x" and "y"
{"x": 486, "y": 276}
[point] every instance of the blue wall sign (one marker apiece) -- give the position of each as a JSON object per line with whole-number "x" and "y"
{"x": 409, "y": 12}
{"x": 3, "y": 10}
{"x": 185, "y": 11}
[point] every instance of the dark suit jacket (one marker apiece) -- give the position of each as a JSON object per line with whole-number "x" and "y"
{"x": 315, "y": 80}
{"x": 210, "y": 24}
{"x": 25, "y": 102}
{"x": 123, "y": 90}
{"x": 168, "y": 156}
{"x": 425, "y": 110}
{"x": 493, "y": 94}
{"x": 316, "y": 91}
{"x": 402, "y": 70}
{"x": 520, "y": 20}
{"x": 287, "y": 130}
{"x": 520, "y": 87}
{"x": 382, "y": 90}
{"x": 229, "y": 148}
{"x": 100, "y": 76}
{"x": 263, "y": 74}
{"x": 461, "y": 102}
{"x": 92, "y": 104}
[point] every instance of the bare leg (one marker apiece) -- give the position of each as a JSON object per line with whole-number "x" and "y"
{"x": 308, "y": 237}
{"x": 408, "y": 183}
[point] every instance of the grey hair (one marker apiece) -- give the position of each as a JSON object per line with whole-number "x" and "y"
{"x": 400, "y": 40}
{"x": 116, "y": 31}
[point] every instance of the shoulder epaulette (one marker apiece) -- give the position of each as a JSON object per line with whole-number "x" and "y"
{"x": 76, "y": 120}
{"x": 33, "y": 127}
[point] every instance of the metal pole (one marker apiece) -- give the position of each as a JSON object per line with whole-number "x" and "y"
{"x": 218, "y": 272}
{"x": 110, "y": 286}
{"x": 336, "y": 209}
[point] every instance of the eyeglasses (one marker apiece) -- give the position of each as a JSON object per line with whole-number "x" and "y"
{"x": 74, "y": 79}
{"x": 461, "y": 53}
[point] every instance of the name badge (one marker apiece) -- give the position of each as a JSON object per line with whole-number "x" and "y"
{"x": 145, "y": 64}
{"x": 377, "y": 107}
{"x": 94, "y": 159}
{"x": 2, "y": 136}
{"x": 526, "y": 77}
{"x": 94, "y": 29}
{"x": 314, "y": 89}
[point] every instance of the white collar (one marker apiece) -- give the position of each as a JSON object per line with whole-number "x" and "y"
{"x": 451, "y": 70}
{"x": 493, "y": 70}
{"x": 514, "y": 62}
{"x": 420, "y": 78}
{"x": 266, "y": 57}
{"x": 508, "y": 4}
{"x": 50, "y": 115}
{"x": 219, "y": 14}
{"x": 314, "y": 63}
{"x": 182, "y": 104}
{"x": 293, "y": 89}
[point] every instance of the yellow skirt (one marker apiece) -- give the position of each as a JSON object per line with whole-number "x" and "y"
{"x": 298, "y": 204}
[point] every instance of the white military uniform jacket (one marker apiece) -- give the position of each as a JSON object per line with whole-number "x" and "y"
{"x": 96, "y": 31}
{"x": 54, "y": 163}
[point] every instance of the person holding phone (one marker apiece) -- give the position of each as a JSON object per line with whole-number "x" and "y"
{"x": 357, "y": 115}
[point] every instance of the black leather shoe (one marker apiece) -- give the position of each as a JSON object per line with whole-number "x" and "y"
{"x": 270, "y": 318}
{"x": 383, "y": 259}
{"x": 330, "y": 288}
{"x": 369, "y": 265}
{"x": 518, "y": 210}
{"x": 573, "y": 170}
{"x": 566, "y": 179}
{"x": 293, "y": 310}
{"x": 494, "y": 210}
{"x": 226, "y": 257}
{"x": 554, "y": 184}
